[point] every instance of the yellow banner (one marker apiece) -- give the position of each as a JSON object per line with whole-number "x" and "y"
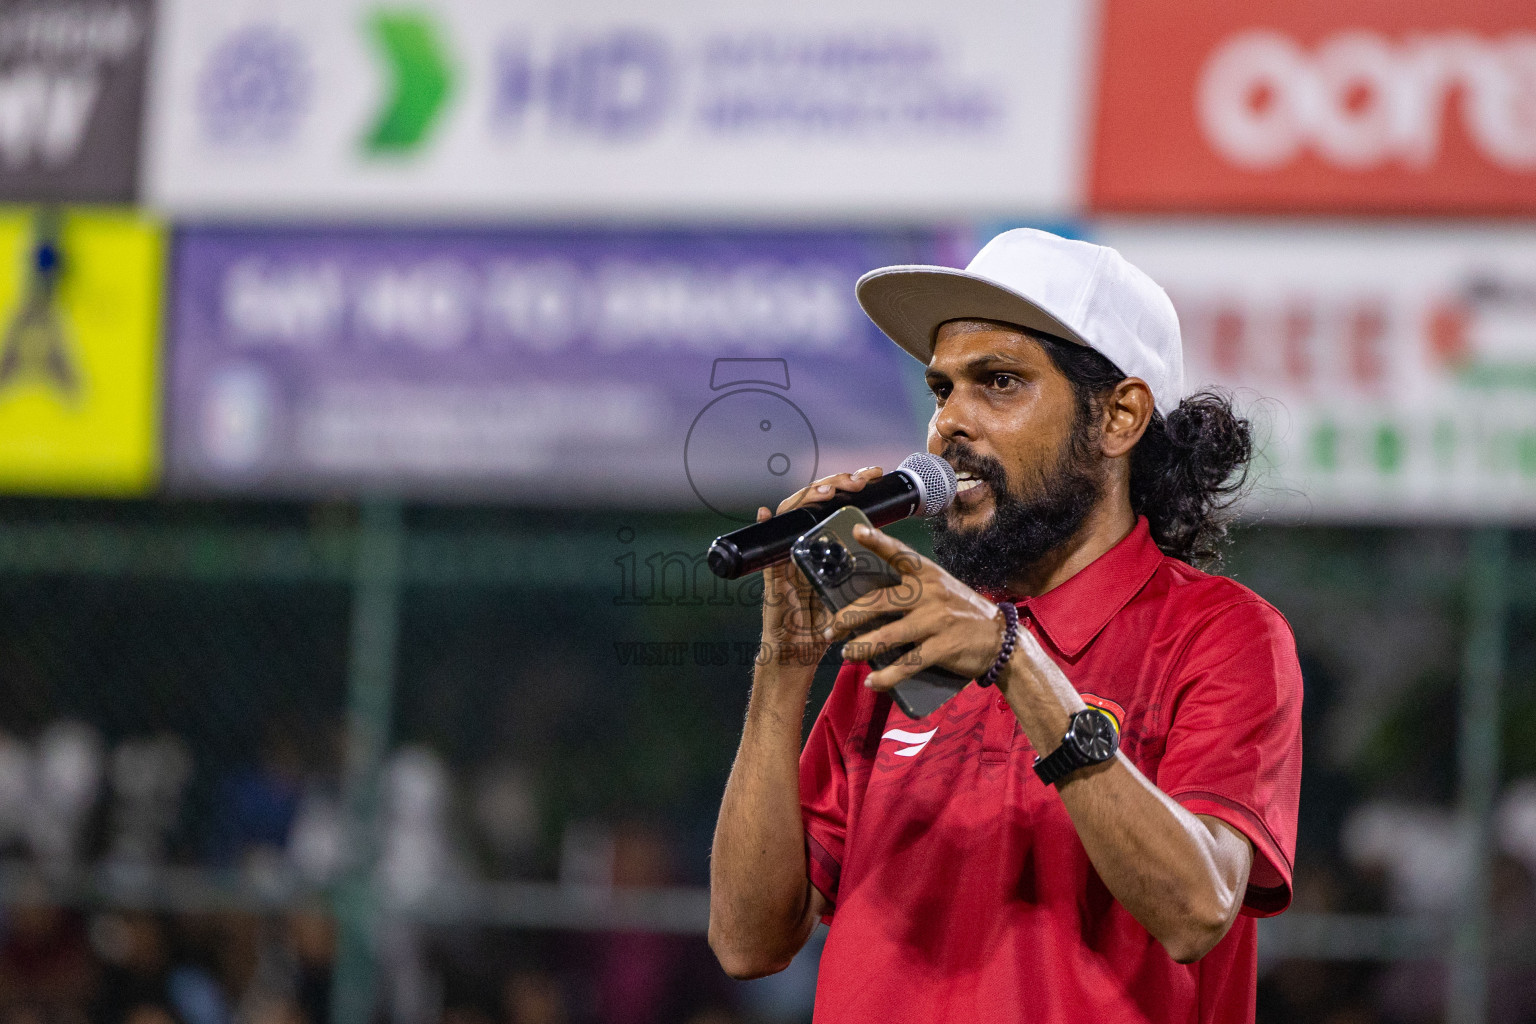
{"x": 80, "y": 296}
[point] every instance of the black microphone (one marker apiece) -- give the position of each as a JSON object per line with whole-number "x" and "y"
{"x": 922, "y": 485}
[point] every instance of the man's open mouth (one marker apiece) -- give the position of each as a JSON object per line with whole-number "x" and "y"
{"x": 966, "y": 480}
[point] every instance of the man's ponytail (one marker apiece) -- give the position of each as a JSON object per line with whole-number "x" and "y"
{"x": 1186, "y": 473}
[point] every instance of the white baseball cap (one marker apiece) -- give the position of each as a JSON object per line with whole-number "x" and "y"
{"x": 1075, "y": 290}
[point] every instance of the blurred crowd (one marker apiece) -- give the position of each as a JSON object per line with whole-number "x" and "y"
{"x": 85, "y": 825}
{"x": 90, "y": 829}
{"x": 1411, "y": 860}
{"x": 63, "y": 966}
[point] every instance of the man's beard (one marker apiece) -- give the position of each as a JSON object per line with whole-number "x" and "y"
{"x": 1022, "y": 530}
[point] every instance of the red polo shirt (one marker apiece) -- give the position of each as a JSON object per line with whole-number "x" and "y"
{"x": 960, "y": 889}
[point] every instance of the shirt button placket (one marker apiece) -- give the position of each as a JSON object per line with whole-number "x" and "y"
{"x": 997, "y": 738}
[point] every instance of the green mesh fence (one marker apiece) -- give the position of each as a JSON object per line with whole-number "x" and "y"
{"x": 340, "y": 762}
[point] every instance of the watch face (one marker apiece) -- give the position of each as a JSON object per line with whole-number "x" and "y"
{"x": 1095, "y": 735}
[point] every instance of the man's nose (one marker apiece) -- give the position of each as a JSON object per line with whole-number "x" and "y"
{"x": 953, "y": 421}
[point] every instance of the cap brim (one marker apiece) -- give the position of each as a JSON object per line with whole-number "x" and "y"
{"x": 909, "y": 303}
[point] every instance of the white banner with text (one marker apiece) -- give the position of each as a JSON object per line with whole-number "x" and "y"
{"x": 596, "y": 108}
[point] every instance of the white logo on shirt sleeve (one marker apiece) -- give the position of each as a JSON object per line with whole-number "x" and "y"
{"x": 919, "y": 739}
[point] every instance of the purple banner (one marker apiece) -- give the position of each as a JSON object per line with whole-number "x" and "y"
{"x": 644, "y": 368}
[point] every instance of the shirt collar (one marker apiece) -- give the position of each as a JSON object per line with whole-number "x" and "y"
{"x": 1075, "y": 612}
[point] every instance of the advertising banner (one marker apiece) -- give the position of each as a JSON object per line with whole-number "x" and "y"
{"x": 596, "y": 107}
{"x": 1391, "y": 371}
{"x": 1411, "y": 106}
{"x": 722, "y": 369}
{"x": 79, "y": 351}
{"x": 71, "y": 92}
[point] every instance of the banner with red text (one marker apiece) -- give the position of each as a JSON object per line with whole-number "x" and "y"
{"x": 1391, "y": 371}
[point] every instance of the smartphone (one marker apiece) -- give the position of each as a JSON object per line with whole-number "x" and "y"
{"x": 841, "y": 570}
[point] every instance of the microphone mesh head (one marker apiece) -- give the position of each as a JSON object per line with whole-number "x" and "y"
{"x": 936, "y": 479}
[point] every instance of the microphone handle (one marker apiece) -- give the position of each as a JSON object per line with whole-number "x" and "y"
{"x": 755, "y": 547}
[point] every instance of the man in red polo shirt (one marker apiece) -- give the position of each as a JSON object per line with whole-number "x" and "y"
{"x": 1088, "y": 831}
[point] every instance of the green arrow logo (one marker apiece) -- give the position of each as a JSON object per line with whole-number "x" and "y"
{"x": 409, "y": 44}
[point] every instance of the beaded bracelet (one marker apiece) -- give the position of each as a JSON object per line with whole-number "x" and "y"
{"x": 1010, "y": 638}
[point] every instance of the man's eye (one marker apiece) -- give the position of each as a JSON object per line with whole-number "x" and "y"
{"x": 940, "y": 392}
{"x": 1004, "y": 381}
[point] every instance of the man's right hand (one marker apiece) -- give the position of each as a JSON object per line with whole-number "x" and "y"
{"x": 793, "y": 618}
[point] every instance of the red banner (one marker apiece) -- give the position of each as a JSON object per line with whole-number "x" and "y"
{"x": 1380, "y": 106}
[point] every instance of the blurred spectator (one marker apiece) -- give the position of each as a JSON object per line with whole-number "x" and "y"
{"x": 644, "y": 977}
{"x": 505, "y": 812}
{"x": 289, "y": 978}
{"x": 233, "y": 943}
{"x": 149, "y": 1013}
{"x": 149, "y": 777}
{"x": 419, "y": 855}
{"x": 635, "y": 970}
{"x": 532, "y": 996}
{"x": 1513, "y": 973}
{"x": 312, "y": 938}
{"x": 418, "y": 852}
{"x": 196, "y": 996}
{"x": 46, "y": 966}
{"x": 1413, "y": 992}
{"x": 317, "y": 839}
{"x": 240, "y": 969}
{"x": 411, "y": 991}
{"x": 66, "y": 784}
{"x": 255, "y": 806}
{"x": 587, "y": 857}
{"x": 1516, "y": 822}
{"x": 48, "y": 790}
{"x": 273, "y": 1011}
{"x": 135, "y": 952}
{"x": 466, "y": 1014}
{"x": 144, "y": 970}
{"x": 1421, "y": 849}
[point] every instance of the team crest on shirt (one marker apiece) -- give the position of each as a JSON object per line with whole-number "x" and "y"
{"x": 1114, "y": 712}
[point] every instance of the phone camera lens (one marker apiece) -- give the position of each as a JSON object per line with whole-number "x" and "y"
{"x": 830, "y": 558}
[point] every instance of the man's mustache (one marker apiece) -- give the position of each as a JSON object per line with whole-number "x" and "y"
{"x": 967, "y": 460}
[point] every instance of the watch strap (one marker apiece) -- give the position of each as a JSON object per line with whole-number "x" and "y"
{"x": 1061, "y": 762}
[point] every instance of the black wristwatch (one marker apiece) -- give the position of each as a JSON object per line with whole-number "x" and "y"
{"x": 1091, "y": 739}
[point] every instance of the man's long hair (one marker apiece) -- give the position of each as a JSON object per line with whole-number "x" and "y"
{"x": 1188, "y": 469}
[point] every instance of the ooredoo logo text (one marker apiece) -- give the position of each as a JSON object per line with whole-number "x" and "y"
{"x": 1361, "y": 99}
{"x": 1305, "y": 105}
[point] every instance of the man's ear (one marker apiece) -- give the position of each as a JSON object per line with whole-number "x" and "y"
{"x": 1127, "y": 411}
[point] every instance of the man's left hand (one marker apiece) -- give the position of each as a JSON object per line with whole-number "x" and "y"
{"x": 953, "y": 626}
